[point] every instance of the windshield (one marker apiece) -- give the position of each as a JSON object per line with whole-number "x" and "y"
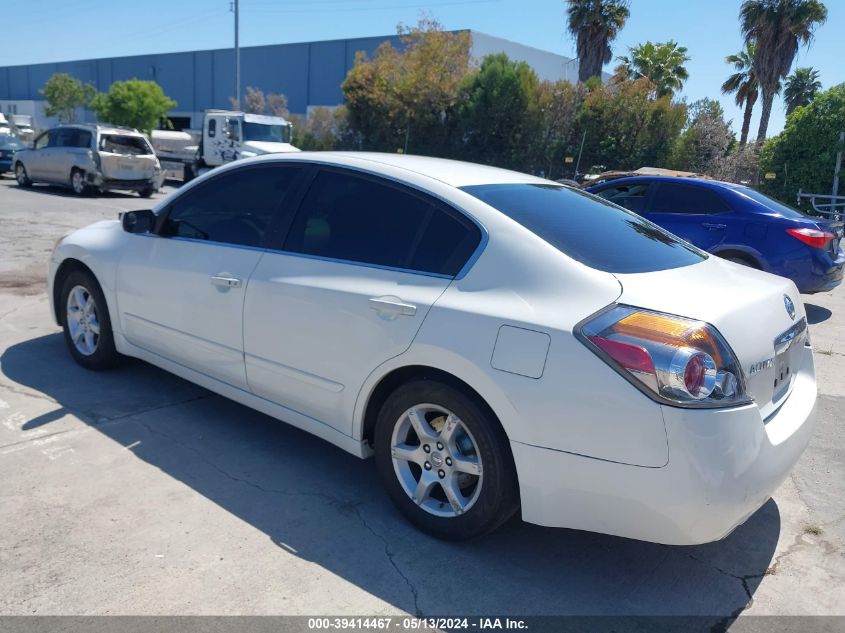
{"x": 10, "y": 142}
{"x": 594, "y": 232}
{"x": 263, "y": 132}
{"x": 778, "y": 207}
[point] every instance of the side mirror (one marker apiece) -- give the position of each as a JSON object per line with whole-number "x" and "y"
{"x": 138, "y": 221}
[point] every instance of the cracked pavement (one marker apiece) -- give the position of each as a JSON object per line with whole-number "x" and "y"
{"x": 134, "y": 492}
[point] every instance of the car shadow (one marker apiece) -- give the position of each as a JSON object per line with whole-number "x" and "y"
{"x": 66, "y": 192}
{"x": 327, "y": 507}
{"x": 816, "y": 314}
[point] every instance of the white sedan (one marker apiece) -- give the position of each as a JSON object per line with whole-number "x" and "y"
{"x": 497, "y": 341}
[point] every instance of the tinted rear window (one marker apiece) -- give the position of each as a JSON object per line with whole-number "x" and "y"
{"x": 588, "y": 229}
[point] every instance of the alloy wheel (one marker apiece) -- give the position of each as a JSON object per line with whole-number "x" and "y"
{"x": 436, "y": 460}
{"x": 77, "y": 181}
{"x": 82, "y": 321}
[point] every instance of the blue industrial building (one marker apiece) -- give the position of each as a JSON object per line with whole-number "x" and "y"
{"x": 309, "y": 74}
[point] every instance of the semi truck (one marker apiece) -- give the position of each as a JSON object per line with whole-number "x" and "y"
{"x": 226, "y": 136}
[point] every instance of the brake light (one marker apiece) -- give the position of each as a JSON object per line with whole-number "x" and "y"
{"x": 674, "y": 360}
{"x": 812, "y": 237}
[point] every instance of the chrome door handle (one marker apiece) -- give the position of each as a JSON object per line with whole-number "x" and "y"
{"x": 392, "y": 306}
{"x": 710, "y": 226}
{"x": 225, "y": 281}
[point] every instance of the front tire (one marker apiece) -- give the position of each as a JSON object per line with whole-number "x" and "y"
{"x": 146, "y": 193}
{"x": 445, "y": 461}
{"x": 21, "y": 176}
{"x": 86, "y": 323}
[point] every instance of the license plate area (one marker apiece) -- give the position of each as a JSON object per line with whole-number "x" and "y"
{"x": 787, "y": 357}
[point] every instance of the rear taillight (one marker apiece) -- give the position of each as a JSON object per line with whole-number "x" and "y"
{"x": 812, "y": 237}
{"x": 674, "y": 360}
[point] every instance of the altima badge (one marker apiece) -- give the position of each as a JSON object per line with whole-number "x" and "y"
{"x": 790, "y": 307}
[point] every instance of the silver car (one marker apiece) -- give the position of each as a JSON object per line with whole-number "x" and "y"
{"x": 90, "y": 158}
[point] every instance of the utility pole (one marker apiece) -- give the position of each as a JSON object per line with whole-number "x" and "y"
{"x": 236, "y": 10}
{"x": 580, "y": 151}
{"x": 835, "y": 191}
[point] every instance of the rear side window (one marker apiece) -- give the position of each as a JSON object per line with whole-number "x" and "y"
{"x": 678, "y": 198}
{"x": 126, "y": 145}
{"x": 589, "y": 229}
{"x": 632, "y": 196}
{"x": 73, "y": 137}
{"x": 357, "y": 219}
{"x": 236, "y": 207}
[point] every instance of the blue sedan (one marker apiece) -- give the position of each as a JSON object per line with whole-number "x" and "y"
{"x": 739, "y": 224}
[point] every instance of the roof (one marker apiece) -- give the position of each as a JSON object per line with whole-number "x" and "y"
{"x": 452, "y": 172}
{"x": 703, "y": 180}
{"x": 108, "y": 128}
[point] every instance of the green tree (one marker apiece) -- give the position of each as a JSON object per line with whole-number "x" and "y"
{"x": 803, "y": 156}
{"x": 743, "y": 82}
{"x": 323, "y": 130}
{"x": 661, "y": 63}
{"x": 557, "y": 137}
{"x": 497, "y": 116}
{"x": 594, "y": 24}
{"x": 801, "y": 88}
{"x": 705, "y": 142}
{"x": 134, "y": 103}
{"x": 403, "y": 100}
{"x": 626, "y": 127}
{"x": 777, "y": 28}
{"x": 64, "y": 95}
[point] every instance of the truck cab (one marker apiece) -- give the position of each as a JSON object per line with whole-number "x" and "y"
{"x": 228, "y": 136}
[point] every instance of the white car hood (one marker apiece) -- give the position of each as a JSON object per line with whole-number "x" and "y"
{"x": 747, "y": 306}
{"x": 268, "y": 147}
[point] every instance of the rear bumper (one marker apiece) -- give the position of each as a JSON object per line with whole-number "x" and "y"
{"x": 826, "y": 275}
{"x": 101, "y": 182}
{"x": 723, "y": 466}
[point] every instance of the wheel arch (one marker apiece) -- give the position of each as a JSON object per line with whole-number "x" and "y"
{"x": 68, "y": 266}
{"x": 752, "y": 258}
{"x": 398, "y": 376}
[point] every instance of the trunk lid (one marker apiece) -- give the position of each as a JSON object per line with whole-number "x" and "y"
{"x": 747, "y": 306}
{"x": 126, "y": 157}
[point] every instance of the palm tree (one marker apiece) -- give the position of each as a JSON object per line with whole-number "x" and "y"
{"x": 744, "y": 83}
{"x": 662, "y": 63}
{"x": 594, "y": 24}
{"x": 778, "y": 28}
{"x": 801, "y": 88}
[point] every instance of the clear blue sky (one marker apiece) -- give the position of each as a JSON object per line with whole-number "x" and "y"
{"x": 56, "y": 30}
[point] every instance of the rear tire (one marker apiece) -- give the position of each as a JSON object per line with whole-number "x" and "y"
{"x": 77, "y": 182}
{"x": 455, "y": 478}
{"x": 21, "y": 176}
{"x": 86, "y": 322}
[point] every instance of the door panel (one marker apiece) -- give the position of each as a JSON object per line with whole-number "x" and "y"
{"x": 346, "y": 289}
{"x": 181, "y": 292}
{"x": 312, "y": 333}
{"x": 170, "y": 304}
{"x": 695, "y": 213}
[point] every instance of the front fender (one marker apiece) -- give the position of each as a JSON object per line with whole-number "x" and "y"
{"x": 97, "y": 247}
